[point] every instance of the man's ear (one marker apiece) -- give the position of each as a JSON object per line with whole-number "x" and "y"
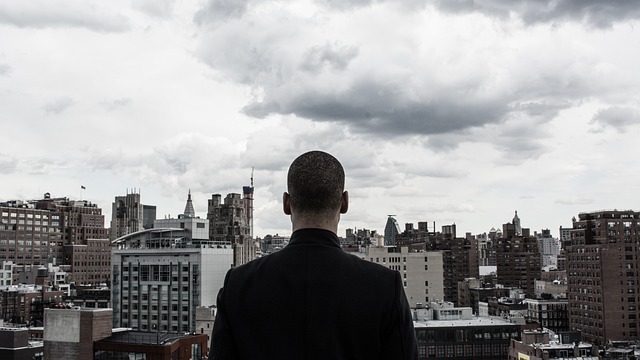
{"x": 344, "y": 206}
{"x": 286, "y": 204}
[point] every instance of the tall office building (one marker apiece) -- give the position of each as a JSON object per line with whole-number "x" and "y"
{"x": 602, "y": 271}
{"x": 518, "y": 258}
{"x": 391, "y": 230}
{"x": 126, "y": 215}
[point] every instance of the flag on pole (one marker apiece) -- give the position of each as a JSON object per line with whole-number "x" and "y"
{"x": 82, "y": 187}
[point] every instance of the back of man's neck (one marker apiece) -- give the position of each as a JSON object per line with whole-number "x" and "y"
{"x": 315, "y": 224}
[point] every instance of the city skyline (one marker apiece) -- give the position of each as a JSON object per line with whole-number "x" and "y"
{"x": 440, "y": 111}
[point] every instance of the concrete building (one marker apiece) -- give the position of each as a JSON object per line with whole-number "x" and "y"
{"x": 205, "y": 317}
{"x": 604, "y": 283}
{"x": 15, "y": 344}
{"x": 159, "y": 279}
{"x": 422, "y": 272}
{"x": 81, "y": 329}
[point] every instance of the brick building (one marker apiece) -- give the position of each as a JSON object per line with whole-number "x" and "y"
{"x": 90, "y": 263}
{"x": 518, "y": 258}
{"x": 603, "y": 276}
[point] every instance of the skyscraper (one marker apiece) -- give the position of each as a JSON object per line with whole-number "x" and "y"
{"x": 603, "y": 275}
{"x": 391, "y": 230}
{"x": 126, "y": 215}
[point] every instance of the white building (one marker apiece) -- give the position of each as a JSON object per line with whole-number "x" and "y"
{"x": 422, "y": 272}
{"x": 198, "y": 228}
{"x": 160, "y": 279}
{"x": 549, "y": 248}
{"x": 6, "y": 273}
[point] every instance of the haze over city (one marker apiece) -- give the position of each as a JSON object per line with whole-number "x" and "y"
{"x": 445, "y": 111}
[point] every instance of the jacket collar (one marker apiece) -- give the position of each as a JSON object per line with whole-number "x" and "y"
{"x": 314, "y": 237}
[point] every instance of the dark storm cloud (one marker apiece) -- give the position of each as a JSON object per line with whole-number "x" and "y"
{"x": 595, "y": 13}
{"x": 68, "y": 13}
{"x": 388, "y": 116}
{"x": 617, "y": 117}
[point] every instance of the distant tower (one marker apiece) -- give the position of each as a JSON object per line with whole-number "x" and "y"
{"x": 248, "y": 204}
{"x": 516, "y": 223}
{"x": 126, "y": 215}
{"x": 391, "y": 230}
{"x": 188, "y": 209}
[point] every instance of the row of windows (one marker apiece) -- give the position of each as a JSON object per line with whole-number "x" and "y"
{"x": 29, "y": 216}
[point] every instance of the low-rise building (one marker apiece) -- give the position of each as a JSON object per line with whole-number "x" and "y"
{"x": 455, "y": 334}
{"x": 16, "y": 345}
{"x": 552, "y": 314}
{"x": 536, "y": 345}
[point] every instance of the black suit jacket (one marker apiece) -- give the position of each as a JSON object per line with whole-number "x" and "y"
{"x": 312, "y": 300}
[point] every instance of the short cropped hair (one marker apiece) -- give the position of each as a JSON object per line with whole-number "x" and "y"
{"x": 315, "y": 183}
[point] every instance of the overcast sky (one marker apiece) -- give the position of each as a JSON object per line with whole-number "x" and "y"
{"x": 448, "y": 111}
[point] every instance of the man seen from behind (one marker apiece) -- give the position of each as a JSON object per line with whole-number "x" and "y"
{"x": 312, "y": 300}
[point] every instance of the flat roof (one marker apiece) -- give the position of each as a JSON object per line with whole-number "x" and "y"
{"x": 476, "y": 321}
{"x": 144, "y": 337}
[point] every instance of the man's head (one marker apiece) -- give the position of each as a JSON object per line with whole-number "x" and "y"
{"x": 315, "y": 185}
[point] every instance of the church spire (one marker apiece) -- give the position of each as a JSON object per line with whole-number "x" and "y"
{"x": 188, "y": 209}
